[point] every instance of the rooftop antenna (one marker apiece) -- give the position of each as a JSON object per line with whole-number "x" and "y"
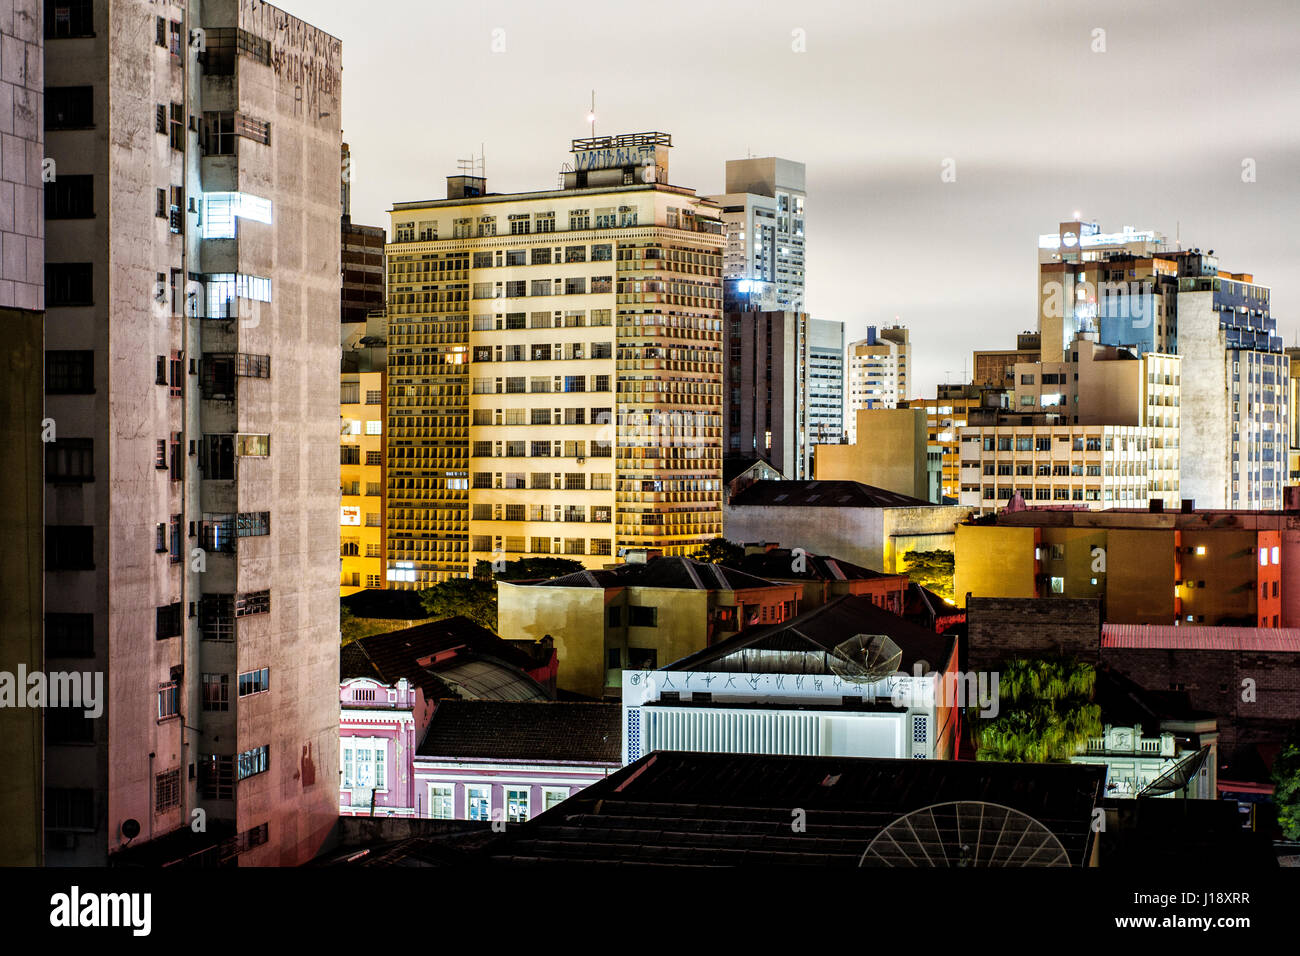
{"x": 965, "y": 833}
{"x": 591, "y": 114}
{"x": 1177, "y": 777}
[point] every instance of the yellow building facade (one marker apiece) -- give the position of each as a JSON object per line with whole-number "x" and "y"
{"x": 555, "y": 376}
{"x": 890, "y": 452}
{"x": 361, "y": 481}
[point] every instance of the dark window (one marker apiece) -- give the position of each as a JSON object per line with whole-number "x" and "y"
{"x": 253, "y": 602}
{"x": 69, "y": 372}
{"x": 638, "y": 616}
{"x": 177, "y": 126}
{"x": 217, "y": 776}
{"x": 70, "y": 197}
{"x": 69, "y": 547}
{"x": 70, "y": 635}
{"x": 169, "y": 621}
{"x": 68, "y": 808}
{"x": 69, "y": 107}
{"x": 70, "y": 459}
{"x": 217, "y": 617}
{"x": 69, "y": 725}
{"x": 614, "y": 657}
{"x": 216, "y": 692}
{"x": 254, "y": 761}
{"x": 613, "y": 617}
{"x": 219, "y": 133}
{"x": 167, "y": 790}
{"x": 217, "y": 460}
{"x": 68, "y": 283}
{"x": 642, "y": 658}
{"x": 69, "y": 18}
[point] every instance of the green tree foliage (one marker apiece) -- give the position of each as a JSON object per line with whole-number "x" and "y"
{"x": 1045, "y": 712}
{"x": 476, "y": 597}
{"x": 932, "y": 570}
{"x": 720, "y": 551}
{"x": 1286, "y": 780}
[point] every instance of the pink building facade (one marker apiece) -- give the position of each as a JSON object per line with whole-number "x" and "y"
{"x": 379, "y": 728}
{"x": 512, "y": 791}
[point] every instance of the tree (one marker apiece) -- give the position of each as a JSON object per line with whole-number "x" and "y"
{"x": 1286, "y": 780}
{"x": 720, "y": 551}
{"x": 524, "y": 569}
{"x": 1045, "y": 712}
{"x": 932, "y": 570}
{"x": 474, "y": 598}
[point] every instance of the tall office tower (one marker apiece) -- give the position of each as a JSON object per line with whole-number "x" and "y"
{"x": 22, "y": 294}
{"x": 192, "y": 288}
{"x": 825, "y": 382}
{"x": 555, "y": 368}
{"x": 765, "y": 379}
{"x": 877, "y": 371}
{"x": 362, "y": 256}
{"x": 763, "y": 211}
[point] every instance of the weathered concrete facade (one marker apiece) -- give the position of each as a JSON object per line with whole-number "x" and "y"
{"x": 205, "y": 283}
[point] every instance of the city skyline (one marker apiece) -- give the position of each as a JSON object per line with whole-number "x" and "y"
{"x": 934, "y": 82}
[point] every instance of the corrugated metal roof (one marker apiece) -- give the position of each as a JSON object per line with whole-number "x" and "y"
{"x": 1194, "y": 638}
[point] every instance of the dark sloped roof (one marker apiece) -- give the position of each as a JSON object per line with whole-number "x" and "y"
{"x": 823, "y": 494}
{"x": 733, "y": 468}
{"x": 814, "y": 634}
{"x": 477, "y": 662}
{"x": 778, "y": 563}
{"x": 1125, "y": 702}
{"x": 549, "y": 730}
{"x": 668, "y": 572}
{"x": 711, "y": 809}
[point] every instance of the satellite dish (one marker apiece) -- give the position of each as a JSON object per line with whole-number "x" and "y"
{"x": 965, "y": 833}
{"x": 865, "y": 658}
{"x": 130, "y": 828}
{"x": 1176, "y": 777}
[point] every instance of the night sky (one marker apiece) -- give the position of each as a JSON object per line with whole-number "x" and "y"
{"x": 1151, "y": 133}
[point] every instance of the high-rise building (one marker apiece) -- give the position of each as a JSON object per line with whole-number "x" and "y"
{"x": 877, "y": 371}
{"x": 362, "y": 257}
{"x": 763, "y": 212}
{"x": 22, "y": 294}
{"x": 192, "y": 286}
{"x": 825, "y": 382}
{"x": 555, "y": 368}
{"x": 765, "y": 387}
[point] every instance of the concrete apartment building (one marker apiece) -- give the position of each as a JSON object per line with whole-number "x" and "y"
{"x": 555, "y": 368}
{"x": 997, "y": 367}
{"x": 22, "y": 301}
{"x": 192, "y": 288}
{"x": 825, "y": 382}
{"x": 763, "y": 215}
{"x": 945, "y": 416}
{"x": 877, "y": 372}
{"x": 1193, "y": 567}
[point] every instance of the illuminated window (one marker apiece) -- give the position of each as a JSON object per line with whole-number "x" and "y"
{"x": 220, "y": 210}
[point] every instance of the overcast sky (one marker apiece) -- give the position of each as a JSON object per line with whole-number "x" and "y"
{"x": 1152, "y": 132}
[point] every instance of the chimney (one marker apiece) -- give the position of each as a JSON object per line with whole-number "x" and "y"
{"x": 1156, "y": 506}
{"x": 1189, "y": 506}
{"x": 1291, "y": 498}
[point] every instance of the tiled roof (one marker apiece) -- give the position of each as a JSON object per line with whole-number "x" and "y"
{"x": 1199, "y": 638}
{"x": 711, "y": 809}
{"x": 823, "y": 494}
{"x": 472, "y": 662}
{"x": 548, "y": 730}
{"x": 667, "y": 572}
{"x": 814, "y": 634}
{"x": 779, "y": 563}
